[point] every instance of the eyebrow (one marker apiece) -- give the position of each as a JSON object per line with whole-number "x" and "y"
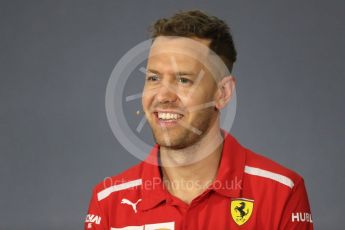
{"x": 180, "y": 73}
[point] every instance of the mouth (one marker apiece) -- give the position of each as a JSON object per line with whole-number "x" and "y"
{"x": 167, "y": 118}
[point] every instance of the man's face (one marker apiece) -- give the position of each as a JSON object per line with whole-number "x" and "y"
{"x": 178, "y": 92}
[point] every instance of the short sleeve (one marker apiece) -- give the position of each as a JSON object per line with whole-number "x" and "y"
{"x": 297, "y": 214}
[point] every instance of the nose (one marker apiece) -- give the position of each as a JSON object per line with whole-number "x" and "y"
{"x": 166, "y": 93}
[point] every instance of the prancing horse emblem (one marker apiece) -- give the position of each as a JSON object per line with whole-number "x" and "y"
{"x": 241, "y": 210}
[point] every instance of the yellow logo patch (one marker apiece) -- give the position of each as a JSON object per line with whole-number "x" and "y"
{"x": 241, "y": 210}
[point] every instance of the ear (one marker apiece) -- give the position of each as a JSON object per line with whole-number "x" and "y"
{"x": 226, "y": 88}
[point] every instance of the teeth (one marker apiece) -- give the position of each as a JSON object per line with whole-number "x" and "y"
{"x": 169, "y": 116}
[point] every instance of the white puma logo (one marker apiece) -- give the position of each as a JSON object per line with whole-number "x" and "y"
{"x": 134, "y": 205}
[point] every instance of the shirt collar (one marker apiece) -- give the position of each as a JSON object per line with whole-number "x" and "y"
{"x": 153, "y": 192}
{"x": 228, "y": 181}
{"x": 229, "y": 177}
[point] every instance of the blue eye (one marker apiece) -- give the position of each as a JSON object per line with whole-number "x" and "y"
{"x": 152, "y": 78}
{"x": 184, "y": 80}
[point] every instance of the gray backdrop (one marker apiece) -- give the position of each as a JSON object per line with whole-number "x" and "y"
{"x": 56, "y": 58}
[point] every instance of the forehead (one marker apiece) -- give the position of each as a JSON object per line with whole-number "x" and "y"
{"x": 196, "y": 49}
{"x": 170, "y": 53}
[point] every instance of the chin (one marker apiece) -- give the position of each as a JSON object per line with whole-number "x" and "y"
{"x": 180, "y": 142}
{"x": 173, "y": 145}
{"x": 180, "y": 137}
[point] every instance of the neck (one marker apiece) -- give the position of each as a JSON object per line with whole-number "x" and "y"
{"x": 188, "y": 172}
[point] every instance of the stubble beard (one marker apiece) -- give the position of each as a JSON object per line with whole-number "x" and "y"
{"x": 181, "y": 137}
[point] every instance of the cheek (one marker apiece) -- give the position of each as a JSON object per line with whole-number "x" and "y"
{"x": 199, "y": 97}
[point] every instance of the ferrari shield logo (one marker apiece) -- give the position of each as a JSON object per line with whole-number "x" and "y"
{"x": 241, "y": 210}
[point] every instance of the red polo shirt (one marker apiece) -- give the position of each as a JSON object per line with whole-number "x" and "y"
{"x": 249, "y": 192}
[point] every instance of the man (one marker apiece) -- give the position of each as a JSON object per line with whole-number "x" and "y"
{"x": 197, "y": 176}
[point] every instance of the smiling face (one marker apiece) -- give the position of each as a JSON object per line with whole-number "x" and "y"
{"x": 179, "y": 92}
